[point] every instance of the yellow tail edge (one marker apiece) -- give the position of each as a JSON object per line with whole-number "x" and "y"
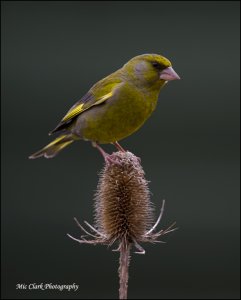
{"x": 53, "y": 148}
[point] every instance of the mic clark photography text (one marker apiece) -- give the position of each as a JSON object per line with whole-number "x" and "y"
{"x": 47, "y": 286}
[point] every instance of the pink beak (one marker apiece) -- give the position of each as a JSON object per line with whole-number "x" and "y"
{"x": 169, "y": 74}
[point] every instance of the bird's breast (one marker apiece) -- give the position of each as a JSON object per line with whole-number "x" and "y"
{"x": 117, "y": 117}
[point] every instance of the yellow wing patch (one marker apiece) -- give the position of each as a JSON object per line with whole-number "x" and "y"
{"x": 102, "y": 99}
{"x": 99, "y": 93}
{"x": 82, "y": 107}
{"x": 73, "y": 112}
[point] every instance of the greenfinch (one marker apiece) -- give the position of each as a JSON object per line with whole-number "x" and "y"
{"x": 115, "y": 107}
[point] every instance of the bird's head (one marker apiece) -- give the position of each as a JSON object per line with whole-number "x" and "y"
{"x": 150, "y": 69}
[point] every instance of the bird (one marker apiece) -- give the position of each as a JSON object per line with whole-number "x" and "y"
{"x": 115, "y": 107}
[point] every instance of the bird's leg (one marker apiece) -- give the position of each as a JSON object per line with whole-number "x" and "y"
{"x": 119, "y": 147}
{"x": 101, "y": 150}
{"x": 106, "y": 156}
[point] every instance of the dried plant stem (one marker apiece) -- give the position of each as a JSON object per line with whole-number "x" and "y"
{"x": 125, "y": 247}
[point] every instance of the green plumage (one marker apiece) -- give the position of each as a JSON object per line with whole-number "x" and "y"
{"x": 114, "y": 107}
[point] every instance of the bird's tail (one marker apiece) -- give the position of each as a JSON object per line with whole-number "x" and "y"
{"x": 54, "y": 147}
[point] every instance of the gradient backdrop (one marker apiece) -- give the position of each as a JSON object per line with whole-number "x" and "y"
{"x": 52, "y": 52}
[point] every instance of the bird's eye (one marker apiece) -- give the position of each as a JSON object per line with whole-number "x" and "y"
{"x": 156, "y": 65}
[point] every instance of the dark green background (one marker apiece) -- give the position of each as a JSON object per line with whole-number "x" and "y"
{"x": 52, "y": 52}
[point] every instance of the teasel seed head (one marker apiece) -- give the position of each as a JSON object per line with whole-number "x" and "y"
{"x": 122, "y": 202}
{"x": 123, "y": 209}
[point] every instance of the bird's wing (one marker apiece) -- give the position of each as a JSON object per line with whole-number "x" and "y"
{"x": 99, "y": 93}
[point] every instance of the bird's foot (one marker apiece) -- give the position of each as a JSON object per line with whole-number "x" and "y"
{"x": 107, "y": 157}
{"x": 110, "y": 160}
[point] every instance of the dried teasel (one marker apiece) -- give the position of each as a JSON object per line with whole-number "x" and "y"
{"x": 123, "y": 211}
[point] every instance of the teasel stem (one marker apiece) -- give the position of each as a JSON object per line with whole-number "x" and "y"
{"x": 125, "y": 247}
